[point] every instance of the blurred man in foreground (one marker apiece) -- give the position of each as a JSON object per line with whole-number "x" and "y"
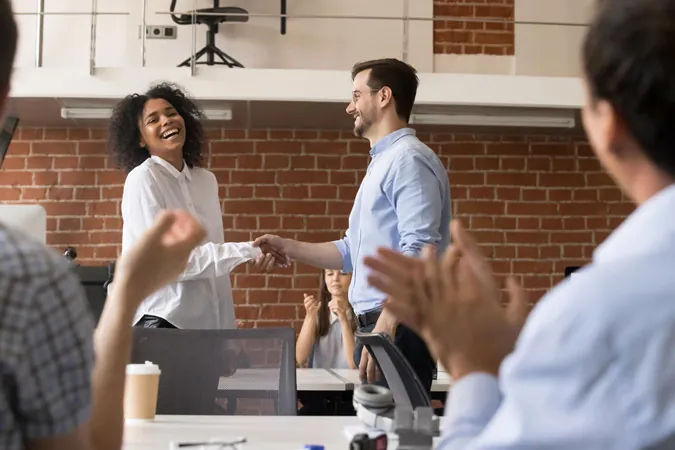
{"x": 594, "y": 366}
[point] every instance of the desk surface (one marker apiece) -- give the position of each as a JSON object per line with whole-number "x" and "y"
{"x": 441, "y": 384}
{"x": 261, "y": 432}
{"x": 324, "y": 380}
{"x": 268, "y": 379}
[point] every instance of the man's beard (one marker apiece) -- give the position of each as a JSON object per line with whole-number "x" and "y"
{"x": 361, "y": 129}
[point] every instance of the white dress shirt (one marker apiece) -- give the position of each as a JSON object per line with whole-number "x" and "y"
{"x": 202, "y": 297}
{"x": 594, "y": 367}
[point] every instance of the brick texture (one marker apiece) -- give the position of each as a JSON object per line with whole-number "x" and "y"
{"x": 536, "y": 203}
{"x": 479, "y": 33}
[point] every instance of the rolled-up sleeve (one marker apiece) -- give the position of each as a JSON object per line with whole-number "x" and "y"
{"x": 415, "y": 193}
{"x": 140, "y": 206}
{"x": 344, "y": 247}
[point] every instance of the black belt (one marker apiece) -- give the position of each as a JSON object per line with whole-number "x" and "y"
{"x": 369, "y": 318}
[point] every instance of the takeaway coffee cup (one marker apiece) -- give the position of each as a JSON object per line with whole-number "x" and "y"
{"x": 140, "y": 391}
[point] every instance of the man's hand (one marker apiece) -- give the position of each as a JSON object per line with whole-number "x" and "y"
{"x": 273, "y": 253}
{"x": 453, "y": 305}
{"x": 386, "y": 324}
{"x": 272, "y": 241}
{"x": 159, "y": 256}
{"x": 368, "y": 370}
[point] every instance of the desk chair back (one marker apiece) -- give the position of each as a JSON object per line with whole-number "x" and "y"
{"x": 404, "y": 384}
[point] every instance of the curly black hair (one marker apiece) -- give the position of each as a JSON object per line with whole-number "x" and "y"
{"x": 124, "y": 135}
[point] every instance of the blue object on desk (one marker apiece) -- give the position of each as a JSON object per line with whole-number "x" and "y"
{"x": 313, "y": 447}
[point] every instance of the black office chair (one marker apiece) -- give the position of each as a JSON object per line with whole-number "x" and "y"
{"x": 405, "y": 386}
{"x": 95, "y": 281}
{"x": 210, "y": 50}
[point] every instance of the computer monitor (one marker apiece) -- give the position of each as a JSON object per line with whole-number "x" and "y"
{"x": 6, "y": 134}
{"x": 31, "y": 220}
{"x": 569, "y": 270}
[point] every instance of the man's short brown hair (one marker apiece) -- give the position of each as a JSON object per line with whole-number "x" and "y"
{"x": 8, "y": 39}
{"x": 399, "y": 76}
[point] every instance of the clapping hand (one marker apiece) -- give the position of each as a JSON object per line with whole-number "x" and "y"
{"x": 311, "y": 306}
{"x": 339, "y": 308}
{"x": 453, "y": 304}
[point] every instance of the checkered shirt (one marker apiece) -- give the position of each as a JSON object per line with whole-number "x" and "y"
{"x": 46, "y": 343}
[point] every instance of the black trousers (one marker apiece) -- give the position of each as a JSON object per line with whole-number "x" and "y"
{"x": 148, "y": 321}
{"x": 414, "y": 349}
{"x": 316, "y": 404}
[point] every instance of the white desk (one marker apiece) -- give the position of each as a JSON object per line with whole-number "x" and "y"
{"x": 351, "y": 376}
{"x": 268, "y": 379}
{"x": 262, "y": 432}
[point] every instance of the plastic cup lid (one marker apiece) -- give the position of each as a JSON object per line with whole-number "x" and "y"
{"x": 143, "y": 369}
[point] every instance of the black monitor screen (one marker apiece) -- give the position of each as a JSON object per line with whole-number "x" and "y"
{"x": 569, "y": 270}
{"x": 6, "y": 135}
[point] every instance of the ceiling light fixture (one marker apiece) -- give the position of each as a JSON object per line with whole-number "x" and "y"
{"x": 493, "y": 121}
{"x": 106, "y": 113}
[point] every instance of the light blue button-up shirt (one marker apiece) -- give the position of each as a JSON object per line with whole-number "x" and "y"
{"x": 403, "y": 203}
{"x": 594, "y": 367}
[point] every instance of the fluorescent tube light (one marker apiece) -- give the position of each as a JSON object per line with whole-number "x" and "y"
{"x": 218, "y": 114}
{"x": 105, "y": 113}
{"x": 86, "y": 113}
{"x": 493, "y": 121}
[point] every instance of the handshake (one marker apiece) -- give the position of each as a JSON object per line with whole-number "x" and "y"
{"x": 274, "y": 253}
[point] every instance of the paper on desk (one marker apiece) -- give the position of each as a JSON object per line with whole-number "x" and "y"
{"x": 218, "y": 443}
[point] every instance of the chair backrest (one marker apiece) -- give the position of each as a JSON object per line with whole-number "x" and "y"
{"x": 405, "y": 386}
{"x": 180, "y": 20}
{"x": 211, "y": 372}
{"x": 95, "y": 280}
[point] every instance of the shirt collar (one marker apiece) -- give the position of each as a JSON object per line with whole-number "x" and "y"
{"x": 389, "y": 140}
{"x": 649, "y": 228}
{"x": 172, "y": 170}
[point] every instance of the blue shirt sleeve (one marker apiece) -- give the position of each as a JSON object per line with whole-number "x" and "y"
{"x": 344, "y": 247}
{"x": 473, "y": 401}
{"x": 561, "y": 388}
{"x": 415, "y": 192}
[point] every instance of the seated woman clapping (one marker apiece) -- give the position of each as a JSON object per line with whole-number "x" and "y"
{"x": 327, "y": 336}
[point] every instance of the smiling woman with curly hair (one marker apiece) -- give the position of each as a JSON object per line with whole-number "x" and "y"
{"x": 156, "y": 138}
{"x": 131, "y": 137}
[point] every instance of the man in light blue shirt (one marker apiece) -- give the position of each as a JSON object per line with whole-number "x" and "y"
{"x": 594, "y": 365}
{"x": 403, "y": 203}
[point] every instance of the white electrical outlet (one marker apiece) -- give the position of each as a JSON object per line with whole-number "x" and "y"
{"x": 161, "y": 32}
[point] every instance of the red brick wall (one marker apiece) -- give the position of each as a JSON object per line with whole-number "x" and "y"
{"x": 474, "y": 37}
{"x": 537, "y": 203}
